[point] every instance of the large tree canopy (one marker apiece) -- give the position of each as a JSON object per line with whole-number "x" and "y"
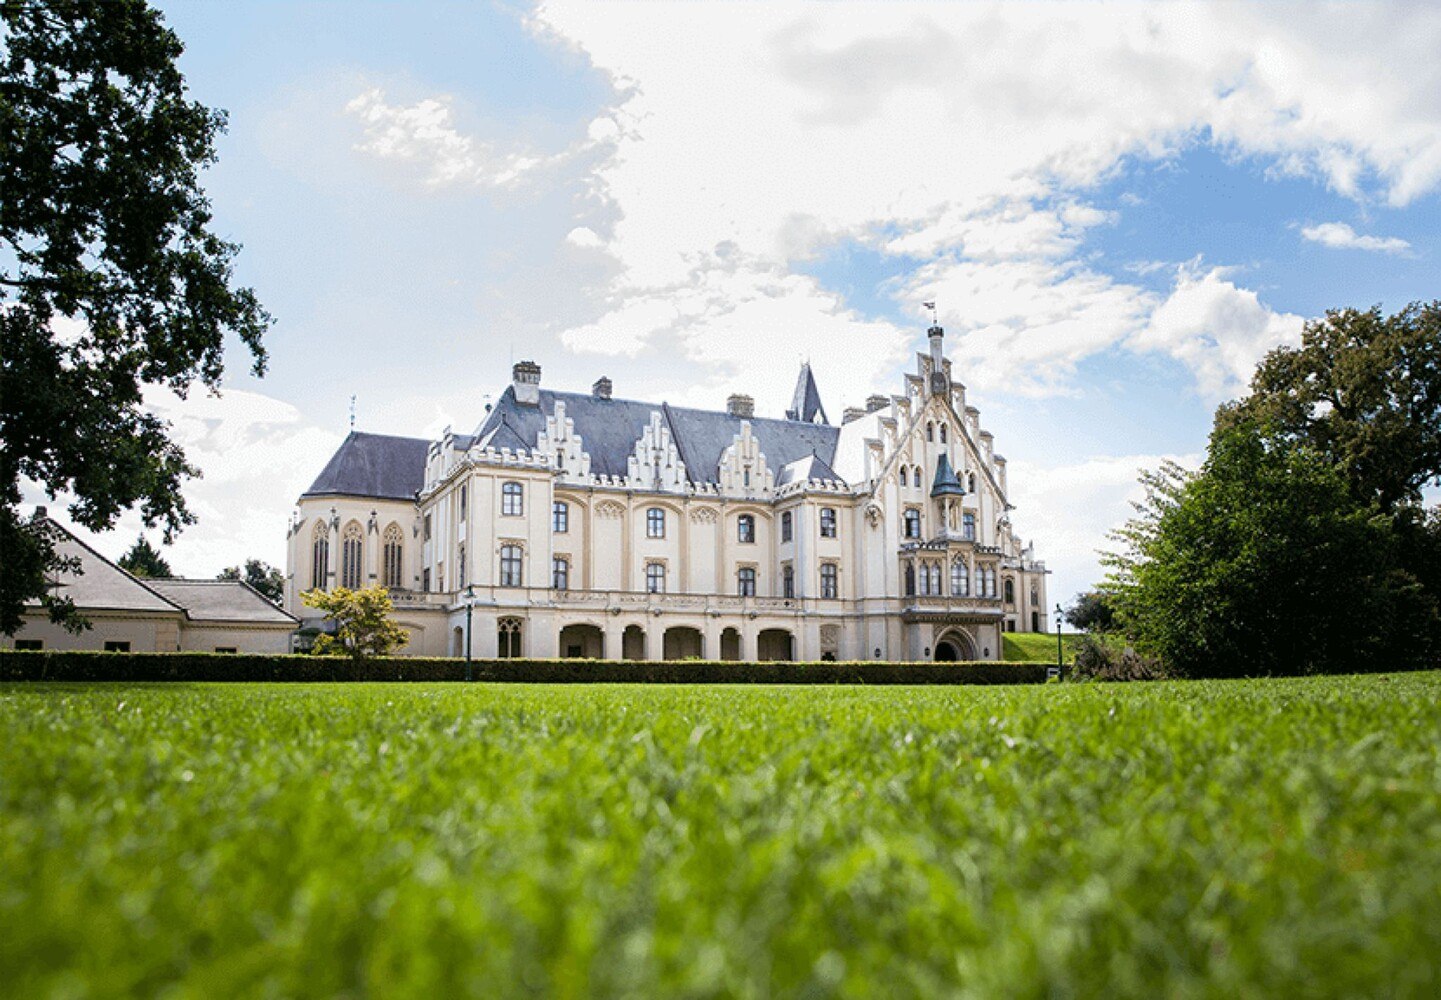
{"x": 145, "y": 560}
{"x": 1364, "y": 391}
{"x": 110, "y": 278}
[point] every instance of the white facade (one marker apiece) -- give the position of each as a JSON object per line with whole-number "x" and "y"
{"x": 675, "y": 533}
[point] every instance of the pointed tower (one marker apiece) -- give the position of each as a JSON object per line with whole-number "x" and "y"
{"x": 947, "y": 492}
{"x": 806, "y": 404}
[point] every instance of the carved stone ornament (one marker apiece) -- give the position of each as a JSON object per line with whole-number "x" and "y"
{"x": 703, "y": 515}
{"x": 873, "y": 514}
{"x": 610, "y": 509}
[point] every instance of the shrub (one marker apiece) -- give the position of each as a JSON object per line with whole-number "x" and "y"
{"x": 1098, "y": 660}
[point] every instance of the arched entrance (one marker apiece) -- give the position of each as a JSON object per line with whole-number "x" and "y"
{"x": 682, "y": 643}
{"x": 582, "y": 642}
{"x": 632, "y": 643}
{"x": 953, "y": 647}
{"x": 774, "y": 644}
{"x": 730, "y": 644}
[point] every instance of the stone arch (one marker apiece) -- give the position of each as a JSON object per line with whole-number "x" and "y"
{"x": 682, "y": 642}
{"x": 582, "y": 640}
{"x": 775, "y": 644}
{"x": 632, "y": 643}
{"x": 954, "y": 645}
{"x": 730, "y": 643}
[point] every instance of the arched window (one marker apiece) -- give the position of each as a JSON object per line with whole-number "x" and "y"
{"x": 912, "y": 522}
{"x": 943, "y": 433}
{"x": 786, "y": 526}
{"x": 351, "y": 549}
{"x": 746, "y": 528}
{"x": 1035, "y": 597}
{"x": 935, "y": 574}
{"x": 1010, "y": 591}
{"x": 512, "y": 499}
{"x": 511, "y": 566}
{"x": 968, "y": 527}
{"x": 320, "y": 556}
{"x": 560, "y": 517}
{"x": 509, "y": 638}
{"x": 788, "y": 581}
{"x": 830, "y": 581}
{"x": 980, "y": 582}
{"x": 960, "y": 579}
{"x": 746, "y": 581}
{"x": 392, "y": 551}
{"x": 905, "y": 477}
{"x": 655, "y": 578}
{"x": 655, "y": 523}
{"x": 828, "y": 522}
{"x": 910, "y": 580}
{"x": 923, "y": 581}
{"x": 560, "y": 573}
{"x": 930, "y": 432}
{"x": 919, "y": 475}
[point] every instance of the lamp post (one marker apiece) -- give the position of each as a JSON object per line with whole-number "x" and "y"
{"x": 1059, "y": 619}
{"x": 469, "y": 610}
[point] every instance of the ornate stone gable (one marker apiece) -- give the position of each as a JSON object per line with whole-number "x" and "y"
{"x": 742, "y": 470}
{"x": 656, "y": 463}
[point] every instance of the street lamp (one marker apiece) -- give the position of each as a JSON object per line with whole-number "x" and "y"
{"x": 1059, "y": 619}
{"x": 469, "y": 610}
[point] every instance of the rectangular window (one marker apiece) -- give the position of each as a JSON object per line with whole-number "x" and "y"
{"x": 830, "y": 585}
{"x": 655, "y": 578}
{"x": 828, "y": 522}
{"x": 788, "y": 581}
{"x": 425, "y": 580}
{"x": 968, "y": 527}
{"x": 560, "y": 574}
{"x": 560, "y": 517}
{"x": 655, "y": 523}
{"x": 786, "y": 526}
{"x": 512, "y": 499}
{"x": 117, "y": 646}
{"x": 746, "y": 582}
{"x": 463, "y": 507}
{"x": 427, "y": 527}
{"x": 912, "y": 522}
{"x": 30, "y": 644}
{"x": 745, "y": 529}
{"x": 510, "y": 566}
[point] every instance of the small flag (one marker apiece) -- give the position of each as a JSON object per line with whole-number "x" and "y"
{"x": 929, "y": 305}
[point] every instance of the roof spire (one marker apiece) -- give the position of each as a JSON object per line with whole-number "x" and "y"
{"x": 352, "y": 413}
{"x": 806, "y": 403}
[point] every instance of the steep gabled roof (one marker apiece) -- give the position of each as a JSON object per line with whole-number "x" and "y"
{"x": 101, "y": 585}
{"x": 806, "y": 403}
{"x": 373, "y": 465}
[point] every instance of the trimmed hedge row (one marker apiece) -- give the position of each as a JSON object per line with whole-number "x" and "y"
{"x": 59, "y": 665}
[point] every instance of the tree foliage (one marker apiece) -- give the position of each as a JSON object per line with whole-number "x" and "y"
{"x": 1364, "y": 392}
{"x": 1092, "y": 611}
{"x": 260, "y": 575}
{"x": 110, "y": 278}
{"x": 145, "y": 560}
{"x": 363, "y": 624}
{"x": 1263, "y": 562}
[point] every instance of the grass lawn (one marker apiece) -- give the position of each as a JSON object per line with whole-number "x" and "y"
{"x": 1268, "y": 838}
{"x": 1017, "y": 646}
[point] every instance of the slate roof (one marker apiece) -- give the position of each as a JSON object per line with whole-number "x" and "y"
{"x": 806, "y": 404}
{"x": 946, "y": 483}
{"x": 101, "y": 585}
{"x": 373, "y": 465}
{"x": 609, "y": 429}
{"x": 805, "y": 469}
{"x": 221, "y": 601}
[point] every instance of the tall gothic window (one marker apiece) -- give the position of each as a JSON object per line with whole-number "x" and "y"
{"x": 905, "y": 476}
{"x": 960, "y": 579}
{"x": 930, "y": 432}
{"x": 320, "y": 557}
{"x": 392, "y": 552}
{"x": 786, "y": 526}
{"x": 461, "y": 579}
{"x": 830, "y": 583}
{"x": 351, "y": 545}
{"x": 1010, "y": 591}
{"x": 943, "y": 433}
{"x": 560, "y": 573}
{"x": 560, "y": 517}
{"x": 935, "y": 574}
{"x": 655, "y": 523}
{"x": 828, "y": 522}
{"x": 788, "y": 581}
{"x": 655, "y": 578}
{"x": 746, "y": 582}
{"x": 509, "y": 636}
{"x": 511, "y": 574}
{"x": 968, "y": 527}
{"x": 512, "y": 499}
{"x": 746, "y": 528}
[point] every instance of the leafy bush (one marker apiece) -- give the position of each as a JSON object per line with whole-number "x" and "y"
{"x": 56, "y": 665}
{"x": 1098, "y": 660}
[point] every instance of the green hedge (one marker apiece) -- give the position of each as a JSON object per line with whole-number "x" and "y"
{"x": 55, "y": 665}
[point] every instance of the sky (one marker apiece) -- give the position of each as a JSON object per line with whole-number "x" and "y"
{"x": 1117, "y": 208}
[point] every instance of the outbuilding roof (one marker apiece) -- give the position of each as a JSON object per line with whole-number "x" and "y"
{"x": 221, "y": 601}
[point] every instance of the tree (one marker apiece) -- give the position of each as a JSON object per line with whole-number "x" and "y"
{"x": 1263, "y": 562}
{"x": 363, "y": 626}
{"x": 110, "y": 279}
{"x": 144, "y": 560}
{"x": 1092, "y": 611}
{"x": 260, "y": 575}
{"x": 1364, "y": 391}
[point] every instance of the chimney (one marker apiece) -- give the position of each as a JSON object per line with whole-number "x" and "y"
{"x": 601, "y": 389}
{"x": 526, "y": 378}
{"x": 741, "y": 406}
{"x": 41, "y": 513}
{"x": 877, "y": 402}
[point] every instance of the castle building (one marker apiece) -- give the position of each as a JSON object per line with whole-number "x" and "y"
{"x": 585, "y": 525}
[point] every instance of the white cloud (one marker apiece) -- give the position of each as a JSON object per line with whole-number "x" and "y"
{"x": 1342, "y": 236}
{"x": 1216, "y": 329}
